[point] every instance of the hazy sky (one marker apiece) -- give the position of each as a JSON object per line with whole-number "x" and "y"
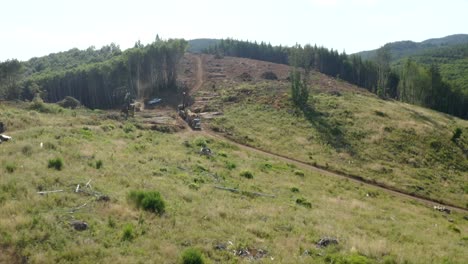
{"x": 36, "y": 28}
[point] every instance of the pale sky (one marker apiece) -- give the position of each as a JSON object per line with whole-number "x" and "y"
{"x": 37, "y": 28}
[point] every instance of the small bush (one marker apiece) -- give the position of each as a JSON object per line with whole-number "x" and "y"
{"x": 127, "y": 128}
{"x": 128, "y": 233}
{"x": 201, "y": 142}
{"x": 39, "y": 106}
{"x": 194, "y": 186}
{"x": 69, "y": 102}
{"x": 192, "y": 256}
{"x": 10, "y": 168}
{"x": 56, "y": 163}
{"x": 27, "y": 150}
{"x": 148, "y": 200}
{"x": 303, "y": 202}
{"x": 294, "y": 189}
{"x": 246, "y": 174}
{"x": 269, "y": 75}
{"x": 456, "y": 134}
{"x": 230, "y": 165}
{"x": 99, "y": 164}
{"x": 299, "y": 173}
{"x": 379, "y": 113}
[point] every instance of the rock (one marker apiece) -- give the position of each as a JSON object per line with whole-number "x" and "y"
{"x": 252, "y": 253}
{"x": 220, "y": 246}
{"x": 206, "y": 151}
{"x": 442, "y": 209}
{"x": 103, "y": 198}
{"x": 79, "y": 225}
{"x": 327, "y": 241}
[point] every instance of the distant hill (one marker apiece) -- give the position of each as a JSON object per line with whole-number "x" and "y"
{"x": 402, "y": 49}
{"x": 198, "y": 45}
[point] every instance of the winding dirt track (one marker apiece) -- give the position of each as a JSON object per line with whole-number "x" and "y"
{"x": 339, "y": 175}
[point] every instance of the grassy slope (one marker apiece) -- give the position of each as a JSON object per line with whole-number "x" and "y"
{"x": 354, "y": 132}
{"x": 371, "y": 228}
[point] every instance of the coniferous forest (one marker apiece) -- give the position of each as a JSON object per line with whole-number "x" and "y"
{"x": 97, "y": 78}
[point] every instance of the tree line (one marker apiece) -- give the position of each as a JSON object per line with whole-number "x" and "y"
{"x": 98, "y": 79}
{"x": 413, "y": 82}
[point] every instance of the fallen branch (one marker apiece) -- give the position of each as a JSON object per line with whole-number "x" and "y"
{"x": 245, "y": 192}
{"x": 46, "y": 192}
{"x": 78, "y": 208}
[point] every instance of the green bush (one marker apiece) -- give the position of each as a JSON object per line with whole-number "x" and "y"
{"x": 247, "y": 174}
{"x": 10, "y": 168}
{"x": 303, "y": 202}
{"x": 127, "y": 128}
{"x": 230, "y": 165}
{"x": 294, "y": 189}
{"x": 148, "y": 200}
{"x": 39, "y": 106}
{"x": 128, "y": 233}
{"x": 69, "y": 102}
{"x": 56, "y": 163}
{"x": 192, "y": 256}
{"x": 299, "y": 173}
{"x": 27, "y": 150}
{"x": 456, "y": 134}
{"x": 99, "y": 164}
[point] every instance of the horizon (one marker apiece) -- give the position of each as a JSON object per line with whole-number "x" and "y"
{"x": 52, "y": 26}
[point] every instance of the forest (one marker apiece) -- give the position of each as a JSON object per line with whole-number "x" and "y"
{"x": 411, "y": 81}
{"x": 97, "y": 78}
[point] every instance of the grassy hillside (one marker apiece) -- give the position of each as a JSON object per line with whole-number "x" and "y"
{"x": 116, "y": 157}
{"x": 348, "y": 130}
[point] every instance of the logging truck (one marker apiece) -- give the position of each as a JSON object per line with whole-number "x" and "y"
{"x": 192, "y": 119}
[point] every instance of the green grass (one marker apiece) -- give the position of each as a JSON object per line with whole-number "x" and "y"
{"x": 375, "y": 228}
{"x": 403, "y": 146}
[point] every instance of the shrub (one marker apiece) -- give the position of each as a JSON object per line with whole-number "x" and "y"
{"x": 201, "y": 142}
{"x": 294, "y": 189}
{"x": 456, "y": 134}
{"x": 128, "y": 234}
{"x": 230, "y": 165}
{"x": 99, "y": 164}
{"x": 39, "y": 106}
{"x": 299, "y": 173}
{"x": 303, "y": 202}
{"x": 247, "y": 174}
{"x": 192, "y": 256}
{"x": 10, "y": 168}
{"x": 27, "y": 150}
{"x": 269, "y": 75}
{"x": 128, "y": 128}
{"x": 69, "y": 102}
{"x": 56, "y": 163}
{"x": 148, "y": 200}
